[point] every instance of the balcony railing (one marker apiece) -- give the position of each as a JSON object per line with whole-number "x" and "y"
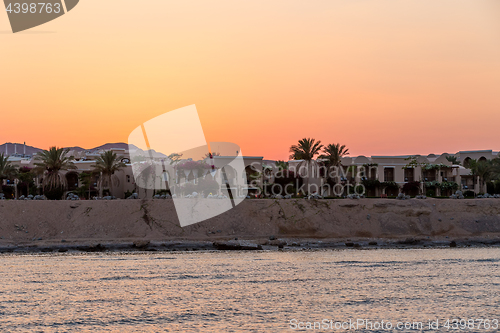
{"x": 429, "y": 178}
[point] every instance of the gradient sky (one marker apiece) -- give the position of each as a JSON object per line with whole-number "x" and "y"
{"x": 384, "y": 77}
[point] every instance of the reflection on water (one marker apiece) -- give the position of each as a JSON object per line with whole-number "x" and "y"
{"x": 230, "y": 291}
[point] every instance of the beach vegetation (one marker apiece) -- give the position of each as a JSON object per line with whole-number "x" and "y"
{"x": 469, "y": 194}
{"x": 306, "y": 150}
{"x": 389, "y": 184}
{"x": 371, "y": 183}
{"x": 333, "y": 154}
{"x": 448, "y": 186}
{"x": 207, "y": 186}
{"x": 51, "y": 164}
{"x": 282, "y": 165}
{"x": 411, "y": 188}
{"x": 26, "y": 184}
{"x": 106, "y": 165}
{"x": 453, "y": 159}
{"x": 7, "y": 170}
{"x": 485, "y": 170}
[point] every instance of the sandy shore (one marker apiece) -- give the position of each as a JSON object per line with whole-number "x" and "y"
{"x": 44, "y": 226}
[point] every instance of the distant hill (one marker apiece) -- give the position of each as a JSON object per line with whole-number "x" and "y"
{"x": 33, "y": 150}
{"x": 10, "y": 148}
{"x": 106, "y": 146}
{"x": 120, "y": 145}
{"x": 76, "y": 148}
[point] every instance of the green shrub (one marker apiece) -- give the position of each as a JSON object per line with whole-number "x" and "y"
{"x": 469, "y": 194}
{"x": 8, "y": 191}
{"x": 160, "y": 192}
{"x": 411, "y": 187}
{"x": 208, "y": 186}
{"x": 371, "y": 183}
{"x": 490, "y": 188}
{"x": 54, "y": 193}
{"x": 448, "y": 186}
{"x": 430, "y": 193}
{"x": 189, "y": 188}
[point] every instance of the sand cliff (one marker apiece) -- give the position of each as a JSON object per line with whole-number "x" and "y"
{"x": 25, "y": 222}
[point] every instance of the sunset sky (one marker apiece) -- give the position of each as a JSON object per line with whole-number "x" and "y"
{"x": 384, "y": 77}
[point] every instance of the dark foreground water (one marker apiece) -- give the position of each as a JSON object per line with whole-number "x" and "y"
{"x": 258, "y": 291}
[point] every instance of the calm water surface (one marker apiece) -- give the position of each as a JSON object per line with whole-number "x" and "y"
{"x": 236, "y": 291}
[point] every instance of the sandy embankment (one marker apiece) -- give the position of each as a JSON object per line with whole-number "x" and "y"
{"x": 44, "y": 223}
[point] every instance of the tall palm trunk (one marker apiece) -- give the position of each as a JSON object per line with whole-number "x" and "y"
{"x": 101, "y": 185}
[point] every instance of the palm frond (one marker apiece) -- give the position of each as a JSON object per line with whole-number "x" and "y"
{"x": 106, "y": 165}
{"x": 51, "y": 163}
{"x": 333, "y": 153}
{"x": 6, "y": 169}
{"x": 306, "y": 149}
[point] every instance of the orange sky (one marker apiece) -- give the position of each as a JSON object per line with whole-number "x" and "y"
{"x": 383, "y": 77}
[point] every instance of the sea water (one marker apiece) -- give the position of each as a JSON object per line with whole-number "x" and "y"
{"x": 427, "y": 290}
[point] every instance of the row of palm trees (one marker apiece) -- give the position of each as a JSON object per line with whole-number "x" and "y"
{"x": 308, "y": 148}
{"x": 52, "y": 163}
{"x": 486, "y": 170}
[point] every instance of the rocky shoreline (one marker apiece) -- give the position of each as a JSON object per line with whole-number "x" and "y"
{"x": 295, "y": 224}
{"x": 245, "y": 245}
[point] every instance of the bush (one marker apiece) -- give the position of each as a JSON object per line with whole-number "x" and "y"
{"x": 490, "y": 188}
{"x": 359, "y": 189}
{"x": 160, "y": 192}
{"x": 189, "y": 188}
{"x": 285, "y": 177}
{"x": 371, "y": 183}
{"x": 411, "y": 187}
{"x": 81, "y": 192}
{"x": 469, "y": 194}
{"x": 208, "y": 186}
{"x": 271, "y": 189}
{"x": 8, "y": 191}
{"x": 493, "y": 187}
{"x": 448, "y": 186}
{"x": 54, "y": 193}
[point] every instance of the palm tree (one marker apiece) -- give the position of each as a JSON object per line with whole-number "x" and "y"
{"x": 6, "y": 169}
{"x": 453, "y": 159}
{"x": 282, "y": 165}
{"x": 333, "y": 153}
{"x": 482, "y": 169}
{"x": 106, "y": 165}
{"x": 306, "y": 150}
{"x": 52, "y": 162}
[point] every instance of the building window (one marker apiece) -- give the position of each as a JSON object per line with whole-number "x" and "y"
{"x": 128, "y": 178}
{"x": 409, "y": 172}
{"x": 388, "y": 174}
{"x": 429, "y": 175}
